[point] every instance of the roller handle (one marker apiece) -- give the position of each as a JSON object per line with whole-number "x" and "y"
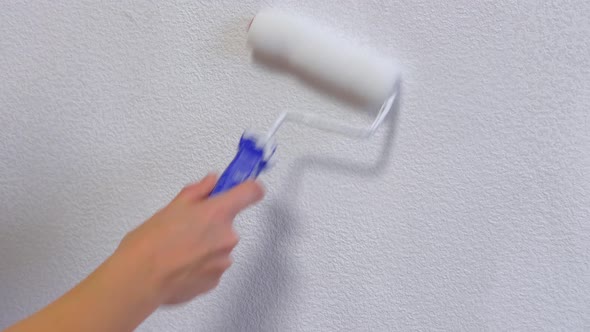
{"x": 248, "y": 163}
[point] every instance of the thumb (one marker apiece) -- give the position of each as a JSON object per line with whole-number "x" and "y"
{"x": 197, "y": 191}
{"x": 239, "y": 197}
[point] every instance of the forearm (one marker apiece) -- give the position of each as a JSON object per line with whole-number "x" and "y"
{"x": 116, "y": 297}
{"x": 177, "y": 254}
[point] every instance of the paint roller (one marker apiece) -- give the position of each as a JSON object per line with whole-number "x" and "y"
{"x": 325, "y": 62}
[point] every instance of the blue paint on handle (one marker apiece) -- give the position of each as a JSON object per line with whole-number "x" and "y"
{"x": 248, "y": 163}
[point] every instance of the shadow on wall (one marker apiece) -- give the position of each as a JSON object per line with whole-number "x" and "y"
{"x": 269, "y": 280}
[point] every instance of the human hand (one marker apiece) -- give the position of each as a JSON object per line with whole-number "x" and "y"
{"x": 183, "y": 250}
{"x": 177, "y": 254}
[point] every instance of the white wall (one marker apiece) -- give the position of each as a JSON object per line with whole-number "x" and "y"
{"x": 470, "y": 212}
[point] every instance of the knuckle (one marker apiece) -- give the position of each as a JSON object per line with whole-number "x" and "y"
{"x": 213, "y": 282}
{"x": 221, "y": 266}
{"x": 225, "y": 264}
{"x": 259, "y": 190}
{"x": 233, "y": 240}
{"x": 230, "y": 241}
{"x": 256, "y": 189}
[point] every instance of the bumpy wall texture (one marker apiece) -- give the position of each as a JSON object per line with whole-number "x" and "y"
{"x": 469, "y": 211}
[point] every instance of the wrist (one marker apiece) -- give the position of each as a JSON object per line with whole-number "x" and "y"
{"x": 136, "y": 276}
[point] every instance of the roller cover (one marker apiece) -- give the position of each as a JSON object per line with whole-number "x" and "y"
{"x": 311, "y": 52}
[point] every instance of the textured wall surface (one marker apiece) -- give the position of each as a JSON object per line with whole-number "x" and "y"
{"x": 469, "y": 211}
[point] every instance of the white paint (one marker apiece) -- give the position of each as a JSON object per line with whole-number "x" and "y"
{"x": 475, "y": 217}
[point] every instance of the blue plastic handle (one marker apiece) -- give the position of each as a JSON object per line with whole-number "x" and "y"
{"x": 248, "y": 163}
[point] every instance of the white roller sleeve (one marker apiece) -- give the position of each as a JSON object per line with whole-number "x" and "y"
{"x": 313, "y": 53}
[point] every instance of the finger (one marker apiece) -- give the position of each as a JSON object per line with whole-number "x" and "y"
{"x": 239, "y": 198}
{"x": 198, "y": 191}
